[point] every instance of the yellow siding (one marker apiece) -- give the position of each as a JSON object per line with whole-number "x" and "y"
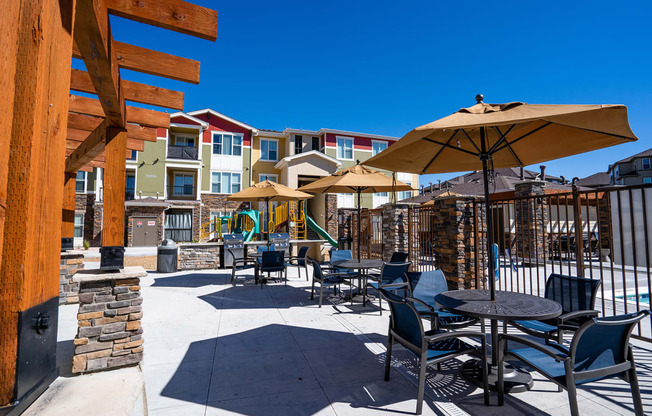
{"x": 259, "y": 166}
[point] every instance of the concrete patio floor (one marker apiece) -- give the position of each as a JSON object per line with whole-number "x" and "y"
{"x": 214, "y": 349}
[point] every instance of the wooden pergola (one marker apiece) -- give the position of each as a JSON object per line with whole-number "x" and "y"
{"x": 48, "y": 134}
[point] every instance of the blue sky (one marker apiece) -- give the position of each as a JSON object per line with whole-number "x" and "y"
{"x": 386, "y": 67}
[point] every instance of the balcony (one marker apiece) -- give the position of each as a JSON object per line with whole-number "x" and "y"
{"x": 182, "y": 152}
{"x": 181, "y": 192}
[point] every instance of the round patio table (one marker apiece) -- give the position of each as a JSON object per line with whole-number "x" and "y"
{"x": 508, "y": 306}
{"x": 361, "y": 265}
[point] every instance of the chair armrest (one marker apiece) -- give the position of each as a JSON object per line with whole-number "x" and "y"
{"x": 394, "y": 285}
{"x": 557, "y": 356}
{"x": 422, "y": 303}
{"x": 589, "y": 313}
{"x": 243, "y": 262}
{"x": 457, "y": 334}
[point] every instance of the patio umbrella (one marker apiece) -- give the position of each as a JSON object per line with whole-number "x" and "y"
{"x": 514, "y": 134}
{"x": 356, "y": 179}
{"x": 268, "y": 191}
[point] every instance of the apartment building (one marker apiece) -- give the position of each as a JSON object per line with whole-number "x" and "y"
{"x": 182, "y": 180}
{"x": 634, "y": 170}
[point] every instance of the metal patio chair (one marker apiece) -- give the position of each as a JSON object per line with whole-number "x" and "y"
{"x": 240, "y": 264}
{"x": 432, "y": 347}
{"x": 393, "y": 276}
{"x": 425, "y": 286}
{"x": 599, "y": 350}
{"x": 576, "y": 295}
{"x": 273, "y": 262}
{"x": 300, "y": 260}
{"x": 330, "y": 278}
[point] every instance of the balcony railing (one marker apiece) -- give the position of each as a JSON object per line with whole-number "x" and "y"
{"x": 182, "y": 152}
{"x": 181, "y": 191}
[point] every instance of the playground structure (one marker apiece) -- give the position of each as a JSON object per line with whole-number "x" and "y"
{"x": 288, "y": 217}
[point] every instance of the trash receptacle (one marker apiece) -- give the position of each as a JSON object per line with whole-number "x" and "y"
{"x": 344, "y": 243}
{"x": 166, "y": 259}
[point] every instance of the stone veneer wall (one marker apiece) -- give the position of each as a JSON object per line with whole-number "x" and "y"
{"x": 395, "y": 229}
{"x": 199, "y": 256}
{"x": 71, "y": 262}
{"x": 454, "y": 249}
{"x": 85, "y": 203}
{"x": 132, "y": 212}
{"x": 531, "y": 221}
{"x": 331, "y": 215}
{"x": 109, "y": 333}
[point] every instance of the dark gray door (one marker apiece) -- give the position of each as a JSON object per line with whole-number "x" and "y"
{"x": 144, "y": 232}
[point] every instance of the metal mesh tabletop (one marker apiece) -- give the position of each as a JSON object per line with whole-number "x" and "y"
{"x": 359, "y": 264}
{"x": 507, "y": 306}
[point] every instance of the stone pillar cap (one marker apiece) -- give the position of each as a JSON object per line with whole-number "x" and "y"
{"x": 97, "y": 275}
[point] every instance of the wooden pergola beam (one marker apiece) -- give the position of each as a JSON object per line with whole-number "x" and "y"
{"x": 89, "y": 123}
{"x": 147, "y": 61}
{"x": 132, "y": 91}
{"x": 78, "y": 136}
{"x": 93, "y": 37}
{"x": 88, "y": 150}
{"x": 177, "y": 15}
{"x": 142, "y": 116}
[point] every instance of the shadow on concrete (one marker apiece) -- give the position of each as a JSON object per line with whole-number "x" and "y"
{"x": 194, "y": 280}
{"x": 285, "y": 370}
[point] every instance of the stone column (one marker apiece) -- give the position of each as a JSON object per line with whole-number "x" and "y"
{"x": 531, "y": 215}
{"x": 454, "y": 233}
{"x": 330, "y": 221}
{"x": 71, "y": 262}
{"x": 395, "y": 229}
{"x": 110, "y": 312}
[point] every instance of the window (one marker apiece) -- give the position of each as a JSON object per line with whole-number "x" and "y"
{"x": 269, "y": 150}
{"x": 79, "y": 225}
{"x": 133, "y": 156}
{"x": 185, "y": 141}
{"x": 267, "y": 177}
{"x": 298, "y": 144}
{"x": 225, "y": 182}
{"x": 183, "y": 184}
{"x": 345, "y": 149}
{"x": 377, "y": 147}
{"x": 130, "y": 186}
{"x": 80, "y": 185}
{"x": 315, "y": 143}
{"x": 646, "y": 163}
{"x": 227, "y": 144}
{"x": 178, "y": 225}
{"x": 345, "y": 201}
{"x": 380, "y": 198}
{"x": 647, "y": 179}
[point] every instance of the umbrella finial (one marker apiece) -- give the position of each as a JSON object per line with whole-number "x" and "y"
{"x": 479, "y": 98}
{"x": 357, "y": 162}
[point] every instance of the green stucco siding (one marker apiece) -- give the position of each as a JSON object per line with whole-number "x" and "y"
{"x": 150, "y": 177}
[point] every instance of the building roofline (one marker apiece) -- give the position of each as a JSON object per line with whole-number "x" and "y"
{"x": 286, "y": 160}
{"x": 203, "y": 124}
{"x": 224, "y": 117}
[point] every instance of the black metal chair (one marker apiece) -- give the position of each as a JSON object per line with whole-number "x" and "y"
{"x": 425, "y": 286}
{"x": 240, "y": 264}
{"x": 331, "y": 278}
{"x": 300, "y": 260}
{"x": 576, "y": 295}
{"x": 599, "y": 350}
{"x": 432, "y": 347}
{"x": 397, "y": 257}
{"x": 272, "y": 261}
{"x": 393, "y": 276}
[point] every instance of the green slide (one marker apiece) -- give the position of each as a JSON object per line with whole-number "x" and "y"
{"x": 322, "y": 233}
{"x": 253, "y": 214}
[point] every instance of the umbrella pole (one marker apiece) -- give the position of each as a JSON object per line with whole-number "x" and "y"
{"x": 359, "y": 217}
{"x": 490, "y": 241}
{"x": 268, "y": 219}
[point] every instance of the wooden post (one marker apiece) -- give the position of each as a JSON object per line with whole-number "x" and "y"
{"x": 114, "y": 187}
{"x": 68, "y": 212}
{"x": 36, "y": 143}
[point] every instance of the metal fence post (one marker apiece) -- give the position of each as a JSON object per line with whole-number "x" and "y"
{"x": 579, "y": 238}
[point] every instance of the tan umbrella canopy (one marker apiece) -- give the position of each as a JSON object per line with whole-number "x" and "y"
{"x": 505, "y": 135}
{"x": 268, "y": 191}
{"x": 357, "y": 179}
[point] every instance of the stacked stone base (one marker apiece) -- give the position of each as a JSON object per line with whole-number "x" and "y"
{"x": 199, "y": 256}
{"x": 109, "y": 334}
{"x": 71, "y": 263}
